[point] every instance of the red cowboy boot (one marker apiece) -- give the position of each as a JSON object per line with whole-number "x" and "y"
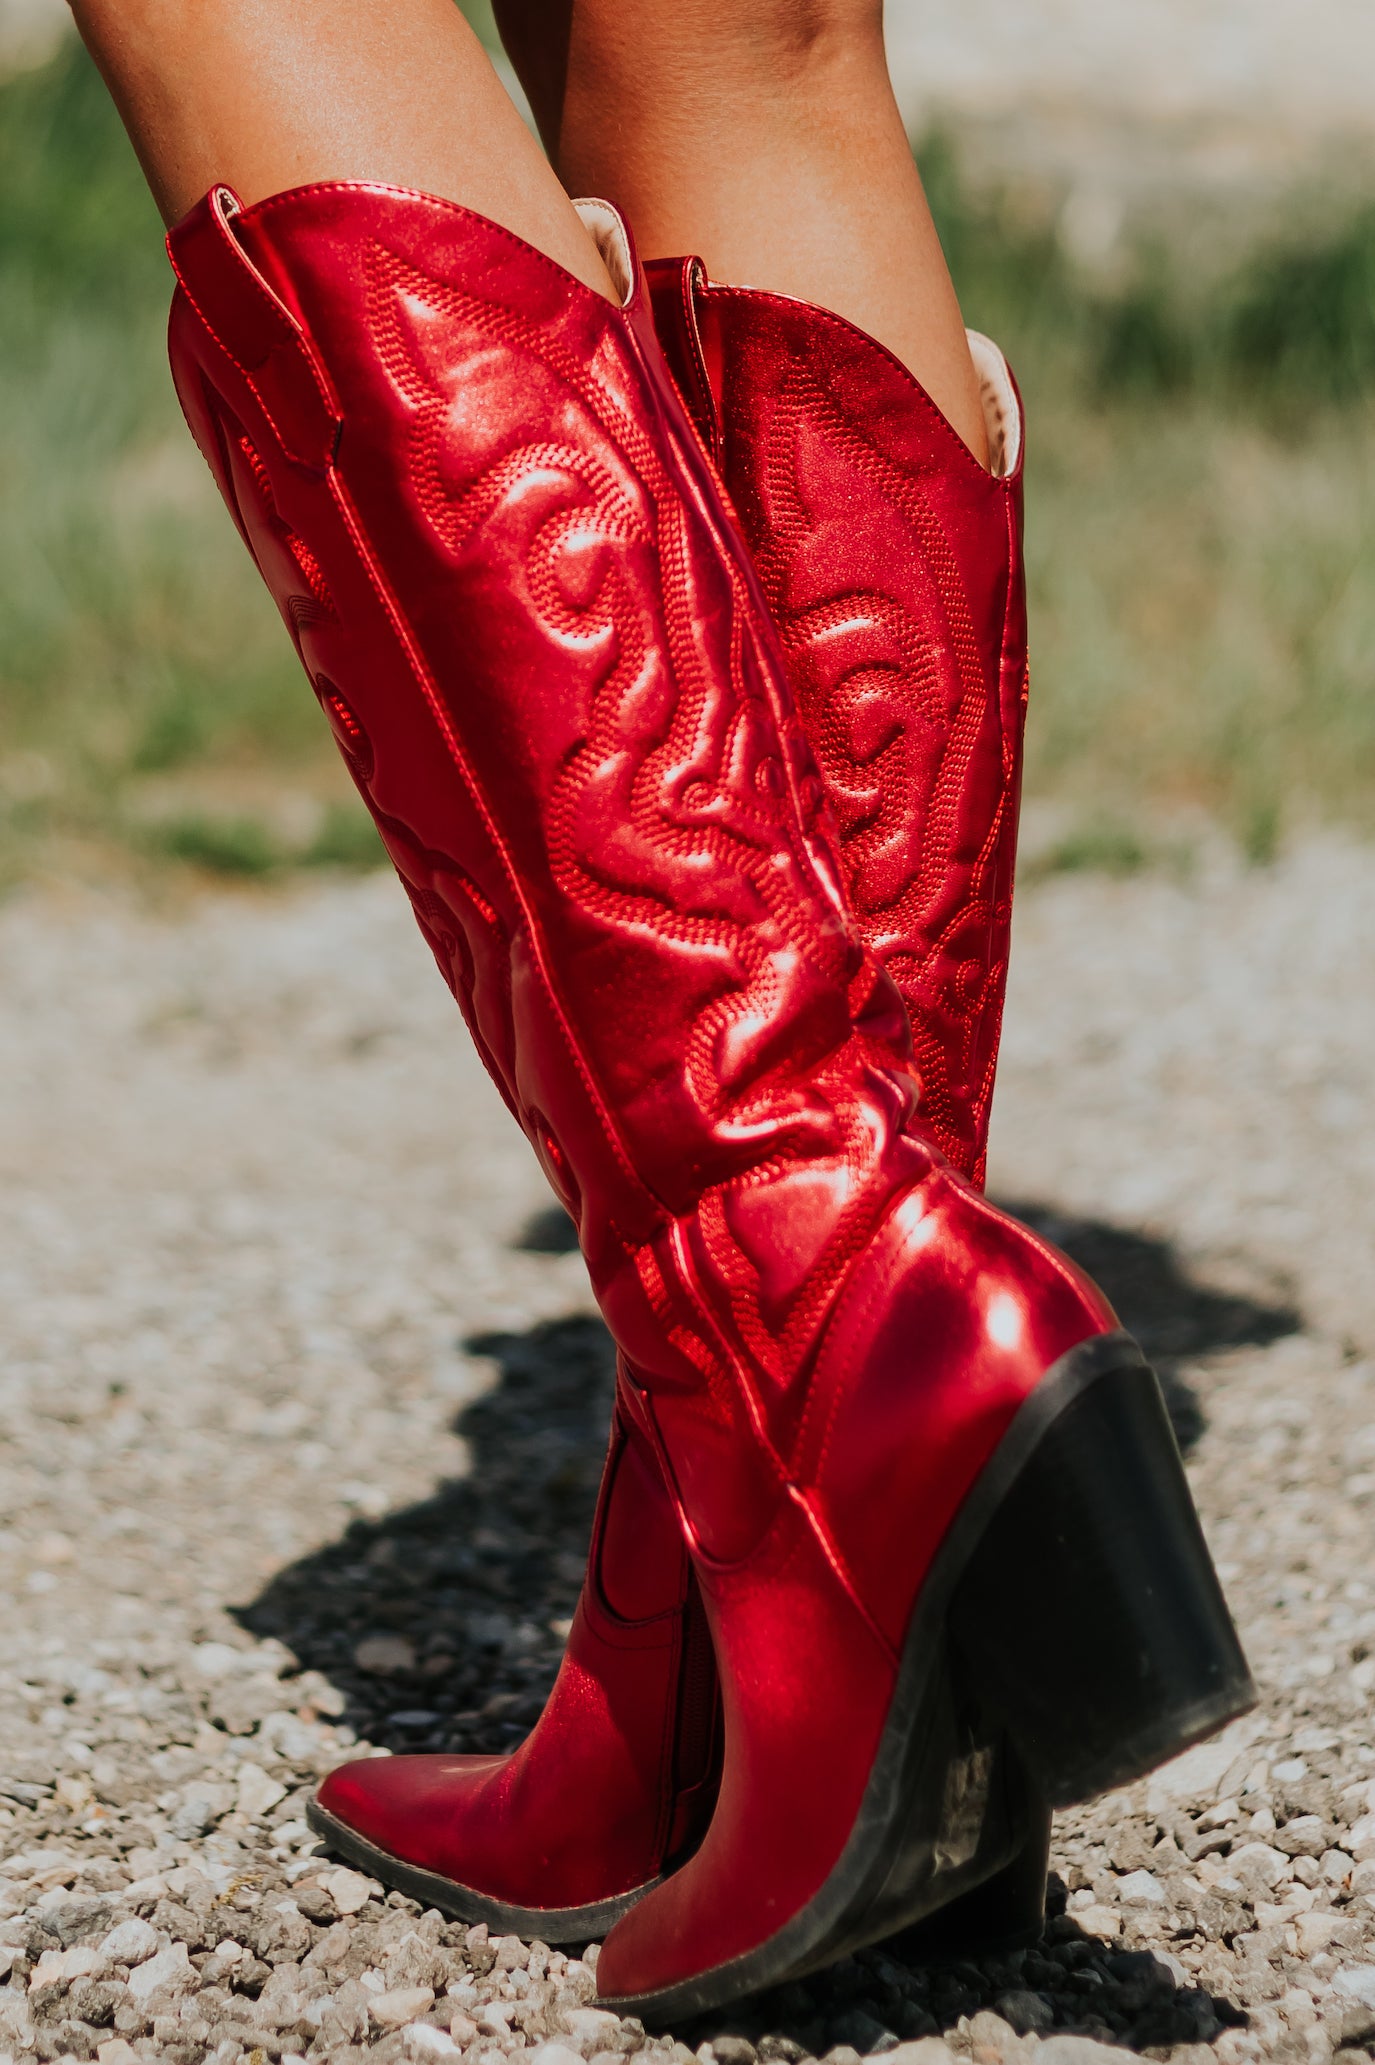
{"x": 618, "y": 1776}
{"x": 895, "y": 664}
{"x": 512, "y": 583}
{"x": 892, "y": 565}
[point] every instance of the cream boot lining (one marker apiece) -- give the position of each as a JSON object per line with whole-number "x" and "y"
{"x": 607, "y": 231}
{"x": 1002, "y": 417}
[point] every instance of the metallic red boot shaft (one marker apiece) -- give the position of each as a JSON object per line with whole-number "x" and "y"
{"x": 892, "y": 565}
{"x": 482, "y": 495}
{"x": 512, "y": 582}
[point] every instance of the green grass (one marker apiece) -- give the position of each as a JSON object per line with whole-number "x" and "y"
{"x": 228, "y": 842}
{"x": 346, "y": 837}
{"x": 134, "y": 636}
{"x": 1097, "y": 845}
{"x": 1203, "y": 601}
{"x": 1201, "y": 538}
{"x": 1201, "y": 513}
{"x": 1283, "y": 328}
{"x": 220, "y": 844}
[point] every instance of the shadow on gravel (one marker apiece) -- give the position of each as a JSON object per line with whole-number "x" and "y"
{"x": 1067, "y": 1984}
{"x": 478, "y": 1580}
{"x": 474, "y": 1587}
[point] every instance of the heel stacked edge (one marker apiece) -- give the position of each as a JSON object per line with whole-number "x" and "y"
{"x": 1089, "y": 1612}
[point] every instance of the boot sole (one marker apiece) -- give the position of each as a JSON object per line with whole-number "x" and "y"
{"x": 548, "y": 1925}
{"x": 1073, "y": 1605}
{"x": 1000, "y": 1906}
{"x": 432, "y": 1889}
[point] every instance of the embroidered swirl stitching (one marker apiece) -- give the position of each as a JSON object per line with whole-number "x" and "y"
{"x": 677, "y": 812}
{"x": 867, "y": 729}
{"x": 447, "y": 903}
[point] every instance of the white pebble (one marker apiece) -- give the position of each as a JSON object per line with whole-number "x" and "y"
{"x": 1197, "y": 1774}
{"x": 171, "y": 1967}
{"x": 428, "y": 2042}
{"x": 1141, "y": 1887}
{"x": 62, "y": 1966}
{"x": 1099, "y": 1921}
{"x": 399, "y": 2005}
{"x": 257, "y": 1793}
{"x": 1314, "y": 1932}
{"x": 1259, "y": 1861}
{"x": 1082, "y": 2050}
{"x": 349, "y": 1890}
{"x": 1357, "y": 1982}
{"x": 1362, "y": 1833}
{"x": 591, "y": 2029}
{"x": 129, "y": 1943}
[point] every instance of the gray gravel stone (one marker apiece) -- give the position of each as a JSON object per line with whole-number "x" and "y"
{"x": 733, "y": 2050}
{"x": 1357, "y": 1983}
{"x": 129, "y": 1942}
{"x": 856, "y": 2027}
{"x": 1080, "y": 2050}
{"x": 1141, "y": 1888}
{"x": 1026, "y": 2013}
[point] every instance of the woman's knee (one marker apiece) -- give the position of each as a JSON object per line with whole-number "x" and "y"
{"x": 787, "y": 37}
{"x": 693, "y": 62}
{"x": 800, "y": 35}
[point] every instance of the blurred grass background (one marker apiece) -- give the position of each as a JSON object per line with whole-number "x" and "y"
{"x": 1201, "y": 539}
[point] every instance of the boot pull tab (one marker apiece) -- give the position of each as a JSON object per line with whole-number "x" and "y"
{"x": 675, "y": 290}
{"x": 255, "y": 330}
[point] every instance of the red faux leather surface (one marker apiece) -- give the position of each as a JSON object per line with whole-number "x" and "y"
{"x": 518, "y": 595}
{"x": 892, "y": 565}
{"x": 595, "y": 1798}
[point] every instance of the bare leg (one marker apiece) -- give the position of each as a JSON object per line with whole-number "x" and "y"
{"x": 763, "y": 135}
{"x": 266, "y": 96}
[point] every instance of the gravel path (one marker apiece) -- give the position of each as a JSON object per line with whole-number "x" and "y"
{"x": 303, "y": 1409}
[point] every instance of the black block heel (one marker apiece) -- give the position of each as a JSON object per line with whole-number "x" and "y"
{"x": 1089, "y": 1615}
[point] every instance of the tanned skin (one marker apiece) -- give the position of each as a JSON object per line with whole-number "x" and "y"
{"x": 761, "y": 134}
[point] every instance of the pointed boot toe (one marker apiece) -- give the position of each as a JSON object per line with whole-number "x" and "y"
{"x": 615, "y": 1783}
{"x": 397, "y": 1807}
{"x": 463, "y": 1834}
